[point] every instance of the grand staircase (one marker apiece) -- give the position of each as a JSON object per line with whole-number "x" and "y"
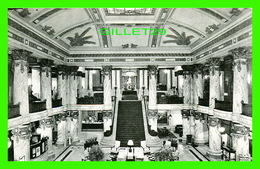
{"x": 130, "y": 123}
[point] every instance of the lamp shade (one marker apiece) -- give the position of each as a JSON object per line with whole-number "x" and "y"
{"x": 130, "y": 143}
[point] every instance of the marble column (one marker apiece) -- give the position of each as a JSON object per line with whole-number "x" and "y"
{"x": 152, "y": 119}
{"x": 198, "y": 129}
{"x": 90, "y": 83}
{"x": 74, "y": 127}
{"x": 214, "y": 92}
{"x": 118, "y": 82}
{"x": 46, "y": 126}
{"x": 107, "y": 120}
{"x": 198, "y": 84}
{"x": 169, "y": 80}
{"x": 240, "y": 142}
{"x": 187, "y": 89}
{"x": 146, "y": 80}
{"x": 185, "y": 123}
{"x": 106, "y": 71}
{"x": 80, "y": 93}
{"x": 46, "y": 82}
{"x": 113, "y": 79}
{"x": 214, "y": 138}
{"x": 192, "y": 122}
{"x": 62, "y": 131}
{"x": 174, "y": 78}
{"x": 72, "y": 84}
{"x": 141, "y": 82}
{"x": 62, "y": 84}
{"x": 180, "y": 85}
{"x": 20, "y": 91}
{"x": 152, "y": 86}
{"x": 86, "y": 82}
{"x": 21, "y": 140}
{"x": 240, "y": 84}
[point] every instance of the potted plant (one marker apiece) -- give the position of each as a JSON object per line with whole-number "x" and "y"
{"x": 90, "y": 142}
{"x": 95, "y": 153}
{"x": 164, "y": 155}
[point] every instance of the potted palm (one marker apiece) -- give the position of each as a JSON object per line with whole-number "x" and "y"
{"x": 95, "y": 153}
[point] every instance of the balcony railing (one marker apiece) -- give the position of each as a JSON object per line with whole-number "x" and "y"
{"x": 13, "y": 111}
{"x": 37, "y": 106}
{"x": 246, "y": 109}
{"x": 223, "y": 105}
{"x": 57, "y": 103}
{"x": 204, "y": 102}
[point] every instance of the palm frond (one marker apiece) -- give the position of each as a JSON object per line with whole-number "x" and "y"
{"x": 172, "y": 36}
{"x": 175, "y": 32}
{"x": 84, "y": 32}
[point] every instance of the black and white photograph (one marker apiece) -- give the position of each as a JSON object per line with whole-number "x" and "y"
{"x": 130, "y": 84}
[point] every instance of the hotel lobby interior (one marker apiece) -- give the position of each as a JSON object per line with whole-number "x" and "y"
{"x": 129, "y": 84}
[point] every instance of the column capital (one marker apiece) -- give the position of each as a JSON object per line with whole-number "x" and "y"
{"x": 213, "y": 64}
{"x": 106, "y": 70}
{"x": 239, "y": 129}
{"x": 152, "y": 70}
{"x": 107, "y": 113}
{"x": 213, "y": 121}
{"x": 198, "y": 116}
{"x": 47, "y": 122}
{"x": 241, "y": 52}
{"x": 153, "y": 113}
{"x": 185, "y": 113}
{"x": 20, "y": 54}
{"x": 22, "y": 132}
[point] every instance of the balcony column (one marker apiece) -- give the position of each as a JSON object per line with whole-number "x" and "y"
{"x": 20, "y": 91}
{"x": 185, "y": 123}
{"x": 141, "y": 82}
{"x": 152, "y": 119}
{"x": 198, "y": 84}
{"x": 79, "y": 85}
{"x": 46, "y": 82}
{"x": 62, "y": 82}
{"x": 179, "y": 75}
{"x": 46, "y": 126}
{"x": 74, "y": 127}
{"x": 240, "y": 85}
{"x": 145, "y": 82}
{"x": 214, "y": 81}
{"x": 107, "y": 119}
{"x": 169, "y": 80}
{"x": 62, "y": 130}
{"x": 198, "y": 129}
{"x": 107, "y": 72}
{"x": 72, "y": 85}
{"x": 152, "y": 70}
{"x": 214, "y": 138}
{"x": 240, "y": 142}
{"x": 86, "y": 82}
{"x": 118, "y": 79}
{"x": 21, "y": 140}
{"x": 90, "y": 82}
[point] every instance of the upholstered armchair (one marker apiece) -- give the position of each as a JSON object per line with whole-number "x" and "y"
{"x": 114, "y": 149}
{"x": 145, "y": 147}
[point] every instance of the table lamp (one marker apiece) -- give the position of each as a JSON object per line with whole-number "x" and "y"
{"x": 130, "y": 143}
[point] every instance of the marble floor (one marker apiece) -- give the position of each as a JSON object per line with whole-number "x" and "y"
{"x": 74, "y": 152}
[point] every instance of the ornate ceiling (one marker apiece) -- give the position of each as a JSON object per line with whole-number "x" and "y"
{"x": 78, "y": 29}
